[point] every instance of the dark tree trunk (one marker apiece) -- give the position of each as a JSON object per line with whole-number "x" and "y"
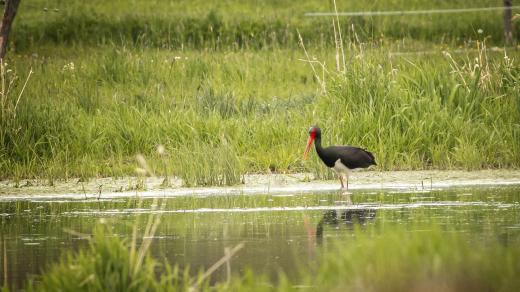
{"x": 508, "y": 27}
{"x": 10, "y": 12}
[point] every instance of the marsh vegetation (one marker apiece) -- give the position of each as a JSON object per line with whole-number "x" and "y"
{"x": 108, "y": 84}
{"x": 208, "y": 92}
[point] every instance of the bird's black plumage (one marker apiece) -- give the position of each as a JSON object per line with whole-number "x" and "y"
{"x": 350, "y": 156}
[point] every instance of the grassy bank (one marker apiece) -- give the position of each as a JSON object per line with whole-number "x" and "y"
{"x": 109, "y": 83}
{"x": 390, "y": 259}
{"x": 90, "y": 114}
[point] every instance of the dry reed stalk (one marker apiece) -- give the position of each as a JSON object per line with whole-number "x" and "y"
{"x": 78, "y": 234}
{"x": 21, "y": 92}
{"x": 455, "y": 68}
{"x": 320, "y": 81}
{"x": 5, "y": 264}
{"x": 145, "y": 168}
{"x": 340, "y": 40}
{"x": 225, "y": 259}
{"x": 228, "y": 265}
{"x": 151, "y": 228}
{"x": 336, "y": 44}
{"x": 133, "y": 243}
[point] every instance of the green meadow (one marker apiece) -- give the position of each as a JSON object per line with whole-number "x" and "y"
{"x": 228, "y": 88}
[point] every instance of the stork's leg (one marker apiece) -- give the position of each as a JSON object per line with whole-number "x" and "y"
{"x": 341, "y": 180}
{"x": 345, "y": 190}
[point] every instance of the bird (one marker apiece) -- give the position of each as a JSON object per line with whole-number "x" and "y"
{"x": 342, "y": 159}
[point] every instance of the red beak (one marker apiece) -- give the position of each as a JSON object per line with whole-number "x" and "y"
{"x": 309, "y": 144}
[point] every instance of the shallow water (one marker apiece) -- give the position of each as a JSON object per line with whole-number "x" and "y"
{"x": 278, "y": 230}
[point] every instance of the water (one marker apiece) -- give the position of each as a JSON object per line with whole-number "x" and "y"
{"x": 278, "y": 231}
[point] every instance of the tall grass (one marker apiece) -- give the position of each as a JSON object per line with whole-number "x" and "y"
{"x": 436, "y": 115}
{"x": 208, "y": 164}
{"x": 11, "y": 94}
{"x": 91, "y": 118}
{"x": 87, "y": 111}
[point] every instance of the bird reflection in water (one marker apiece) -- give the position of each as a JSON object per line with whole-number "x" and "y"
{"x": 350, "y": 218}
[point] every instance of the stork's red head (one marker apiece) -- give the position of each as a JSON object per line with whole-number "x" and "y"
{"x": 313, "y": 132}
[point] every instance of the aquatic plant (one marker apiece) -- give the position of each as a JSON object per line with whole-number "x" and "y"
{"x": 107, "y": 265}
{"x": 434, "y": 260}
{"x": 393, "y": 260}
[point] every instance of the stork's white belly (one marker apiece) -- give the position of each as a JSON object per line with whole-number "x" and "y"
{"x": 340, "y": 168}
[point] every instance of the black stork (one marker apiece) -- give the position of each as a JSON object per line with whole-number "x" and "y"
{"x": 342, "y": 159}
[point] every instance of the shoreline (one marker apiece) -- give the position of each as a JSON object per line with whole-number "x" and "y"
{"x": 273, "y": 184}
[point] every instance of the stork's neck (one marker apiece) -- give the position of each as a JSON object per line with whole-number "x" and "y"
{"x": 317, "y": 144}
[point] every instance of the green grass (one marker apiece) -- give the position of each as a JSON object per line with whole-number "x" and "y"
{"x": 110, "y": 264}
{"x": 240, "y": 24}
{"x": 222, "y": 118}
{"x": 373, "y": 260}
{"x": 400, "y": 261}
{"x": 109, "y": 84}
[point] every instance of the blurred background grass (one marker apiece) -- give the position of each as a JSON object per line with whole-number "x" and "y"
{"x": 228, "y": 80}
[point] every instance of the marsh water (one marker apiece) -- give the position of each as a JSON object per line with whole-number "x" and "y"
{"x": 280, "y": 232}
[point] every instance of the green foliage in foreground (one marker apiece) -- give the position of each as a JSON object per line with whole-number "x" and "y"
{"x": 432, "y": 260}
{"x": 110, "y": 264}
{"x": 388, "y": 260}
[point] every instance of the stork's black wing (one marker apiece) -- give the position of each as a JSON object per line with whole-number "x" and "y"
{"x": 353, "y": 157}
